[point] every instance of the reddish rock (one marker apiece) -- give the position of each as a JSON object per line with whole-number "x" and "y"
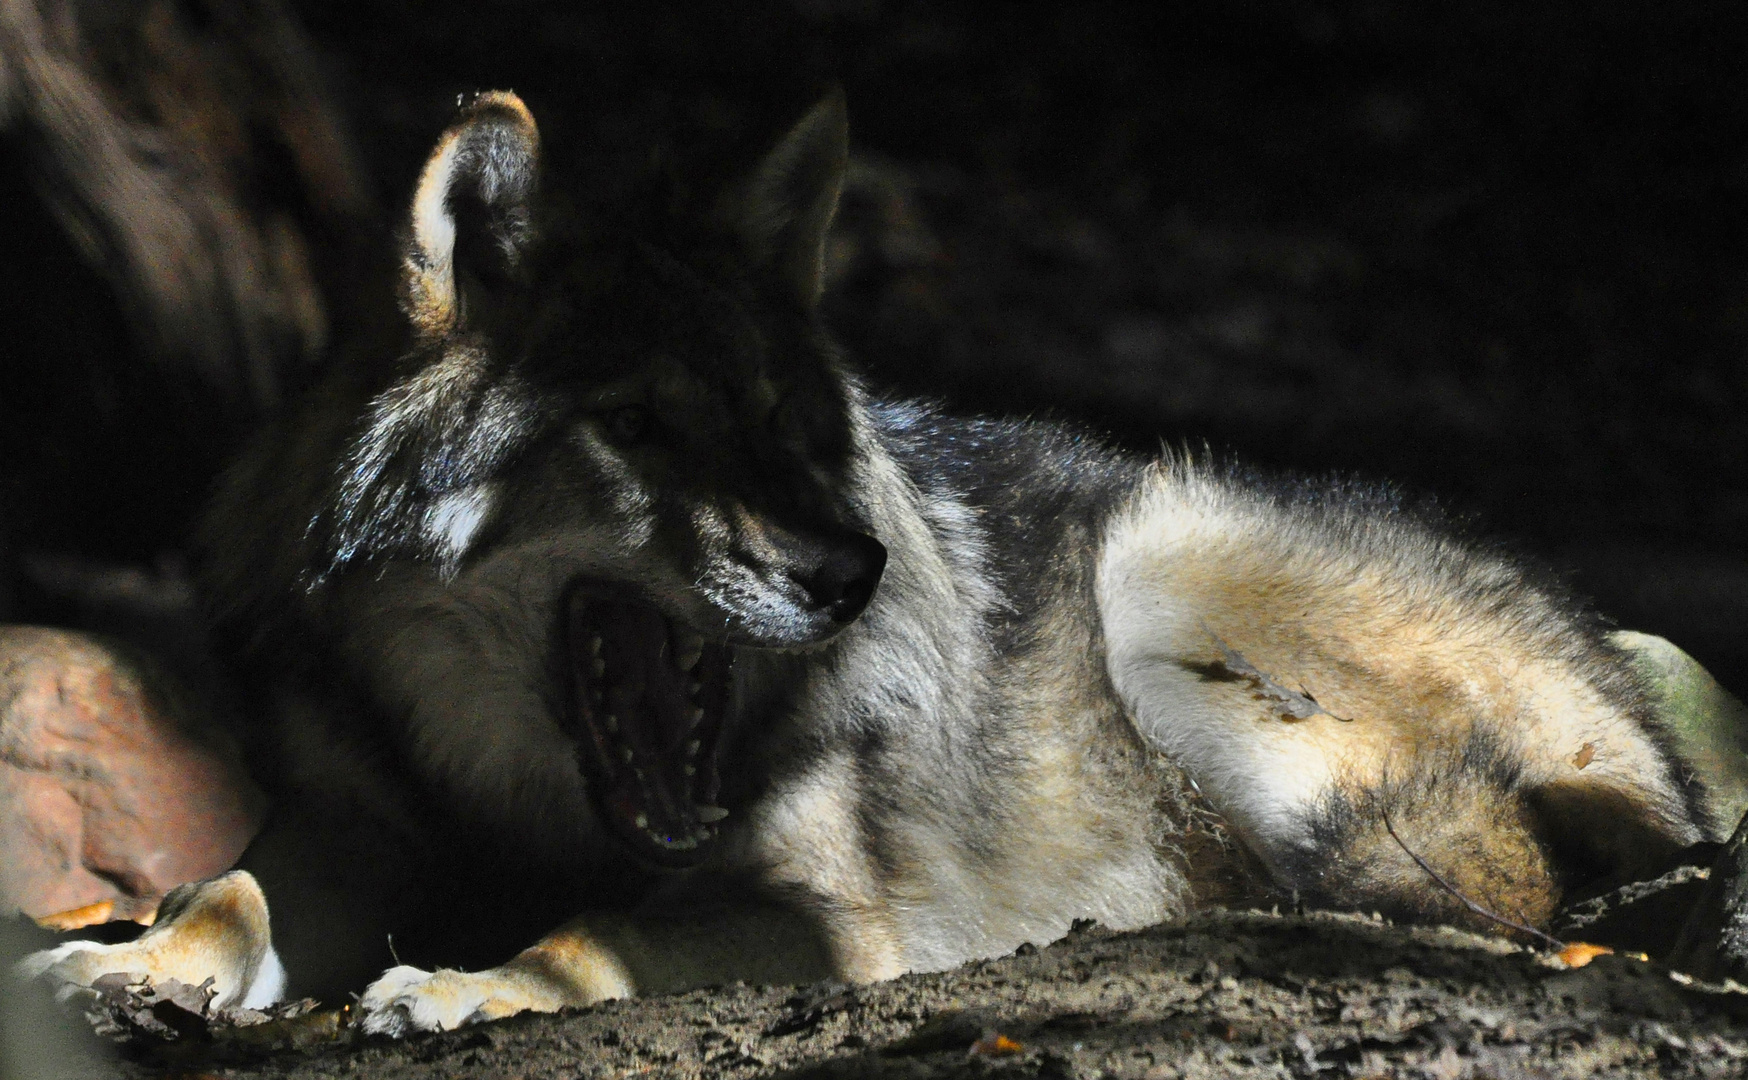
{"x": 110, "y": 787}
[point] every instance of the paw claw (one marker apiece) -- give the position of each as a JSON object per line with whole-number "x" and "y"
{"x": 391, "y": 1020}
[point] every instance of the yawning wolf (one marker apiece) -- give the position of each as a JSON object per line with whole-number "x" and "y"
{"x": 620, "y": 604}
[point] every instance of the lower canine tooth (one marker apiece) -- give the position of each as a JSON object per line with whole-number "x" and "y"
{"x": 709, "y": 814}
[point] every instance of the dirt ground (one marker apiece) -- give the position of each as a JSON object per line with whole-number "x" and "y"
{"x": 1224, "y": 994}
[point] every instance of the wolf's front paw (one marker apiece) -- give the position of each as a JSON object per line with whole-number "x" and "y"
{"x": 406, "y": 999}
{"x": 213, "y": 929}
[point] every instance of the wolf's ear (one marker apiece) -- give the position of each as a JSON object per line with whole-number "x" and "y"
{"x": 472, "y": 217}
{"x": 782, "y": 211}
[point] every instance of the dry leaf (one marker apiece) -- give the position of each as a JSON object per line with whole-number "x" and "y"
{"x": 130, "y": 1008}
{"x": 996, "y": 1044}
{"x": 1585, "y": 755}
{"x": 1580, "y": 953}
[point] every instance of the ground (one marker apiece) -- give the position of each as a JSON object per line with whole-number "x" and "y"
{"x": 1220, "y": 995}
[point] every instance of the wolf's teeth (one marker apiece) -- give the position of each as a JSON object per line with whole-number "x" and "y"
{"x": 692, "y": 747}
{"x": 695, "y": 715}
{"x": 612, "y": 723}
{"x": 598, "y": 666}
{"x": 691, "y": 770}
{"x": 595, "y": 646}
{"x": 710, "y": 814}
{"x": 625, "y": 752}
{"x": 693, "y": 687}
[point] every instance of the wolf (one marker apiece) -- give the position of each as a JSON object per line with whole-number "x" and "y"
{"x": 617, "y": 614}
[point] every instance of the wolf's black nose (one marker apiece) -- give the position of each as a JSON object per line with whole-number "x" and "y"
{"x": 844, "y": 582}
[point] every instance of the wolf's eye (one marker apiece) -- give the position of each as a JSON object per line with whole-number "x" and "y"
{"x": 628, "y": 424}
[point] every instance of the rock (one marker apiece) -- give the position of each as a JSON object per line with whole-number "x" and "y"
{"x": 1705, "y": 725}
{"x": 114, "y": 788}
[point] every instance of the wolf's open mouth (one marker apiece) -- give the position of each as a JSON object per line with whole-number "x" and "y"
{"x": 648, "y": 697}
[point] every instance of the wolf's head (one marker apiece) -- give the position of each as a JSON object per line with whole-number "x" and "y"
{"x": 648, "y": 430}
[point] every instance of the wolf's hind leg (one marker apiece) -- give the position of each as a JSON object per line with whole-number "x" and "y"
{"x": 215, "y": 929}
{"x": 1448, "y": 827}
{"x": 1329, "y": 671}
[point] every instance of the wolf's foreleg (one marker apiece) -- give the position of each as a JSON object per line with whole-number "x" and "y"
{"x": 600, "y": 957}
{"x": 215, "y": 929}
{"x": 568, "y": 968}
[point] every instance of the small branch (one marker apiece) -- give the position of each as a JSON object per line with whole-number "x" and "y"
{"x": 1552, "y": 941}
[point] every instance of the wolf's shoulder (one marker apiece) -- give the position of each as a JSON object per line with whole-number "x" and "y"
{"x": 1006, "y": 465}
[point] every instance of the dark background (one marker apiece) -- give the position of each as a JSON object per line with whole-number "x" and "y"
{"x": 1495, "y": 251}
